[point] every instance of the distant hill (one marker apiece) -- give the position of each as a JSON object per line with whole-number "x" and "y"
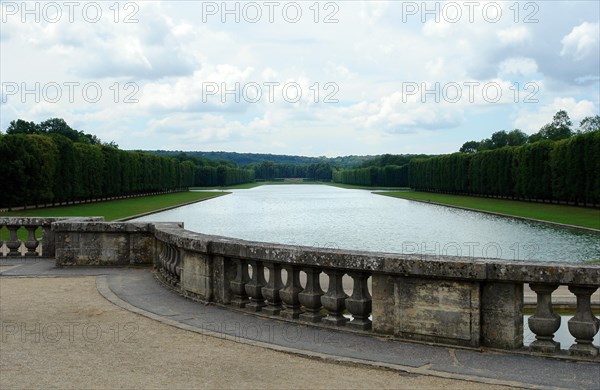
{"x": 243, "y": 159}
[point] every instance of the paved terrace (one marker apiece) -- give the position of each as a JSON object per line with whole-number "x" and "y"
{"x": 153, "y": 337}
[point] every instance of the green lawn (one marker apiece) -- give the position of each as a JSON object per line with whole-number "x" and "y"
{"x": 117, "y": 209}
{"x": 571, "y": 215}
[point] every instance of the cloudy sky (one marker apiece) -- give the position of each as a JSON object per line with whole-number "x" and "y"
{"x": 306, "y": 77}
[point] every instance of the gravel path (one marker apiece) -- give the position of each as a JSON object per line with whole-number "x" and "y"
{"x": 61, "y": 333}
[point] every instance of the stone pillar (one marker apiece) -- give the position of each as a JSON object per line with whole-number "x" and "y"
{"x": 48, "y": 244}
{"x": 544, "y": 323}
{"x": 502, "y": 315}
{"x": 32, "y": 243}
{"x": 289, "y": 294}
{"x": 359, "y": 304}
{"x": 238, "y": 285}
{"x": 334, "y": 299}
{"x": 13, "y": 244}
{"x": 271, "y": 290}
{"x": 584, "y": 325}
{"x": 310, "y": 298}
{"x": 255, "y": 285}
{"x": 384, "y": 303}
{"x": 224, "y": 272}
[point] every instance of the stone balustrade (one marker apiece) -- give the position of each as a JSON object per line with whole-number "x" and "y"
{"x": 32, "y": 245}
{"x": 448, "y": 300}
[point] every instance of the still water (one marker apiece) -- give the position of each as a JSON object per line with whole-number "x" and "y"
{"x": 331, "y": 217}
{"x": 325, "y": 216}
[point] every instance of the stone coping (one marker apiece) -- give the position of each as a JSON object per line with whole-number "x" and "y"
{"x": 443, "y": 267}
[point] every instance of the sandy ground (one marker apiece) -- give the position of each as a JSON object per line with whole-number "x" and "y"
{"x": 61, "y": 333}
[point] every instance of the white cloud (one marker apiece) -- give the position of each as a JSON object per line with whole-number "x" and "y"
{"x": 532, "y": 121}
{"x": 518, "y": 67}
{"x": 369, "y": 54}
{"x": 513, "y": 35}
{"x": 582, "y": 41}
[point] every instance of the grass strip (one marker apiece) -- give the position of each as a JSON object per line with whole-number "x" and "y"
{"x": 570, "y": 215}
{"x": 117, "y": 209}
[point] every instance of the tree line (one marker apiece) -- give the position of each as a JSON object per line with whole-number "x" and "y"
{"x": 390, "y": 170}
{"x": 560, "y": 128}
{"x": 41, "y": 169}
{"x": 269, "y": 170}
{"x": 565, "y": 171}
{"x": 52, "y": 163}
{"x": 388, "y": 175}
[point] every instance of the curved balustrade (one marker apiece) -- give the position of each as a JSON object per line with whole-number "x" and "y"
{"x": 440, "y": 299}
{"x": 450, "y": 300}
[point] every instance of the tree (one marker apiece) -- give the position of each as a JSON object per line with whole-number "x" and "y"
{"x": 589, "y": 124}
{"x": 517, "y": 138}
{"x": 470, "y": 147}
{"x": 499, "y": 139}
{"x": 22, "y": 127}
{"x": 560, "y": 128}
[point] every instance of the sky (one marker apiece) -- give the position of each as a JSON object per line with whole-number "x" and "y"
{"x": 314, "y": 78}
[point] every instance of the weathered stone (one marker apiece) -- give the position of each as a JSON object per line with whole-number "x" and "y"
{"x": 384, "y": 304}
{"x": 310, "y": 297}
{"x": 544, "y": 323}
{"x": 446, "y": 299}
{"x": 289, "y": 294}
{"x": 271, "y": 290}
{"x": 223, "y": 272}
{"x": 359, "y": 303}
{"x": 584, "y": 325}
{"x": 502, "y": 315}
{"x": 196, "y": 276}
{"x": 238, "y": 285}
{"x": 13, "y": 244}
{"x": 255, "y": 285}
{"x": 437, "y": 310}
{"x": 335, "y": 299}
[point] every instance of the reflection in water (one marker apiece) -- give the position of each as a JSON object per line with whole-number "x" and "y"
{"x": 325, "y": 216}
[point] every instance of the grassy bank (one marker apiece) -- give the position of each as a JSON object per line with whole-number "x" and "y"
{"x": 117, "y": 209}
{"x": 570, "y": 215}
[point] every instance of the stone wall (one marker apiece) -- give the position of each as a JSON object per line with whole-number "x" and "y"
{"x": 471, "y": 302}
{"x": 103, "y": 244}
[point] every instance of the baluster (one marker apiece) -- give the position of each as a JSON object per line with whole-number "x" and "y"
{"x": 13, "y": 244}
{"x": 544, "y": 323}
{"x": 161, "y": 256}
{"x": 31, "y": 244}
{"x": 289, "y": 294}
{"x": 255, "y": 285}
{"x": 238, "y": 285}
{"x": 359, "y": 304}
{"x": 310, "y": 297}
{"x": 166, "y": 271}
{"x": 271, "y": 290}
{"x": 584, "y": 325}
{"x": 176, "y": 266}
{"x": 334, "y": 299}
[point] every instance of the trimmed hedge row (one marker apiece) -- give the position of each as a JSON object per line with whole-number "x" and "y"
{"x": 40, "y": 169}
{"x": 566, "y": 171}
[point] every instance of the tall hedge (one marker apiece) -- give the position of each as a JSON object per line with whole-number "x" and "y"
{"x": 567, "y": 170}
{"x": 52, "y": 168}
